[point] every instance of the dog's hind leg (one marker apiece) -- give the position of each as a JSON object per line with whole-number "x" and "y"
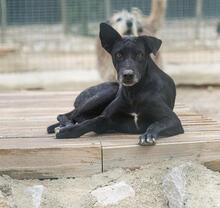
{"x": 100, "y": 124}
{"x": 91, "y": 102}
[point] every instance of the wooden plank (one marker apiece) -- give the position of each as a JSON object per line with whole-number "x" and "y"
{"x": 40, "y": 131}
{"x": 123, "y": 139}
{"x": 49, "y": 158}
{"x": 131, "y": 156}
{"x": 27, "y": 151}
{"x": 27, "y": 93}
{"x": 36, "y": 104}
{"x": 125, "y": 152}
{"x": 204, "y": 128}
{"x": 25, "y": 112}
{"x": 8, "y": 114}
{"x": 48, "y": 118}
{"x": 20, "y": 133}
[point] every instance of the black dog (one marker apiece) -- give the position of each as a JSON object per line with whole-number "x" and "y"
{"x": 141, "y": 103}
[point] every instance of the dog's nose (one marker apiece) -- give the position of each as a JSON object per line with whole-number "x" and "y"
{"x": 128, "y": 75}
{"x": 129, "y": 23}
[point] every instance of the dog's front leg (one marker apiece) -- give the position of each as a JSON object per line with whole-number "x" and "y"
{"x": 112, "y": 108}
{"x": 168, "y": 125}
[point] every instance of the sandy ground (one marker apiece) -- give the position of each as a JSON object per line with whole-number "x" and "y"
{"x": 202, "y": 188}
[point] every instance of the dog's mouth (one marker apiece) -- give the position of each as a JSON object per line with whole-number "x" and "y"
{"x": 128, "y": 77}
{"x": 128, "y": 83}
{"x": 128, "y": 32}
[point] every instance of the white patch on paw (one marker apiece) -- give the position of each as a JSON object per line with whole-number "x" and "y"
{"x": 143, "y": 140}
{"x": 151, "y": 141}
{"x": 57, "y": 130}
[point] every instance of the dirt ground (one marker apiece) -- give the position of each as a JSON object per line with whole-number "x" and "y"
{"x": 202, "y": 188}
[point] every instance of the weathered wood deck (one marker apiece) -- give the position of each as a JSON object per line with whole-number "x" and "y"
{"x": 27, "y": 151}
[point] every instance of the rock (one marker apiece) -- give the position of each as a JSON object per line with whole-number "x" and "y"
{"x": 174, "y": 186}
{"x": 5, "y": 189}
{"x": 3, "y": 201}
{"x": 36, "y": 193}
{"x": 113, "y": 194}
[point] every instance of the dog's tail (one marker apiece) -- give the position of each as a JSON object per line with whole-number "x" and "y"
{"x": 158, "y": 11}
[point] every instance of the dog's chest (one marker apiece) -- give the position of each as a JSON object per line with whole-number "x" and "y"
{"x": 135, "y": 116}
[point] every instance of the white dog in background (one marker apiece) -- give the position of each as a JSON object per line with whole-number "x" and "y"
{"x": 127, "y": 23}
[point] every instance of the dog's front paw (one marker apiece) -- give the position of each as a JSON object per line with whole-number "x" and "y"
{"x": 51, "y": 129}
{"x": 147, "y": 140}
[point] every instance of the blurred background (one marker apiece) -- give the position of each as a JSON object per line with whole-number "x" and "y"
{"x": 46, "y": 37}
{"x": 51, "y": 44}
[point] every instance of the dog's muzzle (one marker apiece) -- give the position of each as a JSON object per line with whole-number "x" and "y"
{"x": 128, "y": 78}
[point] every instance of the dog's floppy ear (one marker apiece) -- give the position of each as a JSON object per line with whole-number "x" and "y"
{"x": 153, "y": 44}
{"x": 108, "y": 36}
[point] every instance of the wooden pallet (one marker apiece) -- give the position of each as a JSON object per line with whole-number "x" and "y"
{"x": 27, "y": 151}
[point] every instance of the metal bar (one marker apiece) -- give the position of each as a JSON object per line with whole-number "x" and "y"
{"x": 108, "y": 8}
{"x": 85, "y": 17}
{"x": 3, "y": 20}
{"x": 64, "y": 17}
{"x": 199, "y": 7}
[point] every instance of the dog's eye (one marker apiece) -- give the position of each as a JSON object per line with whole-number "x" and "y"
{"x": 118, "y": 20}
{"x": 118, "y": 55}
{"x": 139, "y": 55}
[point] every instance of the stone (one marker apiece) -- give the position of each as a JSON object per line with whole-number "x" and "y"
{"x": 3, "y": 201}
{"x": 36, "y": 193}
{"x": 5, "y": 189}
{"x": 113, "y": 194}
{"x": 174, "y": 186}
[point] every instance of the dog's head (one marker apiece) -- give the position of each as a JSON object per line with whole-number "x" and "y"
{"x": 127, "y": 23}
{"x": 130, "y": 55}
